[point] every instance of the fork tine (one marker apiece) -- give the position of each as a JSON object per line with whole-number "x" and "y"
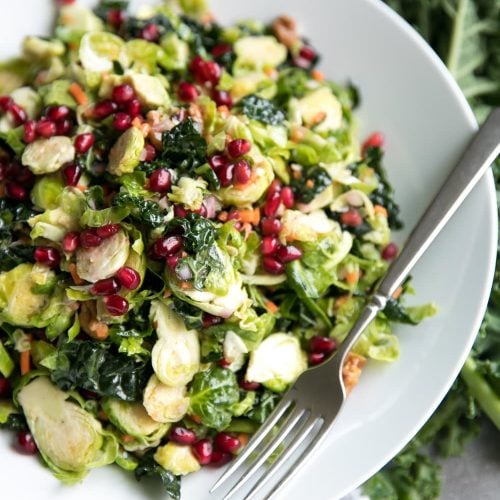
{"x": 276, "y": 414}
{"x": 286, "y": 428}
{"x": 308, "y": 426}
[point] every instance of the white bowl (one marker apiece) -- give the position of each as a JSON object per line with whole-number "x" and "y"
{"x": 408, "y": 94}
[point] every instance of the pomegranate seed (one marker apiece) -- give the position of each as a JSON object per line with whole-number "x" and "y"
{"x": 26, "y": 443}
{"x": 225, "y": 442}
{"x": 182, "y": 435}
{"x": 58, "y": 113}
{"x": 89, "y": 239}
{"x": 4, "y": 387}
{"x": 220, "y": 49}
{"x": 29, "y": 133}
{"x": 123, "y": 93}
{"x": 150, "y": 32}
{"x": 376, "y": 140}
{"x": 211, "y": 320}
{"x": 180, "y": 211}
{"x": 107, "y": 230}
{"x": 160, "y": 181}
{"x": 66, "y": 2}
{"x": 201, "y": 211}
{"x": 18, "y": 114}
{"x": 133, "y": 108}
{"x": 205, "y": 71}
{"x": 72, "y": 174}
{"x": 70, "y": 242}
{"x": 64, "y": 127}
{"x": 202, "y": 450}
{"x": 166, "y": 246}
{"x": 307, "y": 53}
{"x": 287, "y": 197}
{"x": 172, "y": 261}
{"x": 89, "y": 394}
{"x": 24, "y": 176}
{"x": 115, "y": 17}
{"x": 46, "y": 128}
{"x": 272, "y": 266}
{"x": 269, "y": 245}
{"x": 249, "y": 386}
{"x": 16, "y": 192}
{"x": 242, "y": 172}
{"x": 129, "y": 278}
{"x": 116, "y": 305}
{"x": 288, "y": 254}
{"x": 5, "y": 103}
{"x": 270, "y": 226}
{"x": 238, "y": 147}
{"x": 220, "y": 458}
{"x": 226, "y": 175}
{"x": 273, "y": 201}
{"x": 351, "y": 218}
{"x": 390, "y": 251}
{"x": 108, "y": 286}
{"x": 222, "y": 98}
{"x": 84, "y": 142}
{"x": 224, "y": 363}
{"x": 122, "y": 121}
{"x": 47, "y": 255}
{"x": 150, "y": 153}
{"x": 187, "y": 92}
{"x": 315, "y": 358}
{"x": 325, "y": 345}
{"x": 104, "y": 109}
{"x": 234, "y": 215}
{"x": 274, "y": 187}
{"x": 217, "y": 162}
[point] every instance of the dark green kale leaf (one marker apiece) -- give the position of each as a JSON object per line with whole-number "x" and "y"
{"x": 198, "y": 232}
{"x": 203, "y": 37}
{"x": 314, "y": 180}
{"x": 192, "y": 316}
{"x": 141, "y": 210}
{"x": 147, "y": 467}
{"x": 15, "y": 422}
{"x": 292, "y": 82}
{"x": 258, "y": 108}
{"x": 133, "y": 26}
{"x": 395, "y": 311}
{"x": 263, "y": 406}
{"x": 97, "y": 367}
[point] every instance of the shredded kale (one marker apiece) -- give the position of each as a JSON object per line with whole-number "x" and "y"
{"x": 313, "y": 181}
{"x": 198, "y": 232}
{"x": 192, "y": 316}
{"x": 204, "y": 37}
{"x": 104, "y": 6}
{"x": 145, "y": 211}
{"x": 15, "y": 422}
{"x": 261, "y": 109}
{"x": 292, "y": 82}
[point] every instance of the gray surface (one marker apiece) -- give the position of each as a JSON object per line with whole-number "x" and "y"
{"x": 476, "y": 474}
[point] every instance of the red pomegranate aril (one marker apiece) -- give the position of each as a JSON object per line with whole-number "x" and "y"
{"x": 108, "y": 286}
{"x": 274, "y": 187}
{"x": 150, "y": 32}
{"x": 128, "y": 278}
{"x": 58, "y": 113}
{"x": 5, "y": 103}
{"x": 315, "y": 358}
{"x": 205, "y": 71}
{"x": 123, "y": 93}
{"x": 273, "y": 201}
{"x": 202, "y": 450}
{"x": 160, "y": 181}
{"x": 29, "y": 132}
{"x": 351, "y": 218}
{"x": 287, "y": 197}
{"x": 182, "y": 435}
{"x": 107, "y": 230}
{"x": 24, "y": 176}
{"x": 18, "y": 114}
{"x": 209, "y": 320}
{"x": 375, "y": 140}
{"x": 201, "y": 211}
{"x": 16, "y": 192}
{"x": 115, "y": 17}
{"x": 46, "y": 128}
{"x": 288, "y": 254}
{"x": 89, "y": 238}
{"x": 217, "y": 162}
{"x": 180, "y": 211}
{"x": 26, "y": 443}
{"x": 222, "y": 98}
{"x": 272, "y": 266}
{"x": 47, "y": 255}
{"x": 166, "y": 246}
{"x": 270, "y": 225}
{"x": 307, "y": 53}
{"x": 104, "y": 109}
{"x": 226, "y": 174}
{"x": 63, "y": 127}
{"x": 238, "y": 147}
{"x": 242, "y": 172}
{"x": 149, "y": 153}
{"x": 72, "y": 174}
{"x": 249, "y": 386}
{"x": 172, "y": 261}
{"x": 212, "y": 72}
{"x": 390, "y": 251}
{"x": 324, "y": 345}
{"x": 70, "y": 242}
{"x": 220, "y": 458}
{"x": 122, "y": 121}
{"x": 116, "y": 305}
{"x": 269, "y": 245}
{"x": 220, "y": 49}
{"x": 225, "y": 442}
{"x": 187, "y": 92}
{"x": 4, "y": 387}
{"x": 83, "y": 142}
{"x": 133, "y": 108}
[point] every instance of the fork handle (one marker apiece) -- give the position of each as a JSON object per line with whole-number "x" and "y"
{"x": 479, "y": 155}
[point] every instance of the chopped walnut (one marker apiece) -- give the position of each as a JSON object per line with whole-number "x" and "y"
{"x": 285, "y": 30}
{"x": 351, "y": 371}
{"x": 89, "y": 324}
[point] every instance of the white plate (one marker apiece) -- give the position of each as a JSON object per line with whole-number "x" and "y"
{"x": 408, "y": 94}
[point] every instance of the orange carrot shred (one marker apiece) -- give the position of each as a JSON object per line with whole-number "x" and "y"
{"x": 78, "y": 94}
{"x": 352, "y": 278}
{"x": 318, "y": 75}
{"x": 25, "y": 360}
{"x": 74, "y": 274}
{"x": 243, "y": 438}
{"x": 271, "y": 306}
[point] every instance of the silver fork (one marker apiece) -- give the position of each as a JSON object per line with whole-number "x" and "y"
{"x": 306, "y": 413}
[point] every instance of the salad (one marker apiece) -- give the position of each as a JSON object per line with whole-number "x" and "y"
{"x": 187, "y": 223}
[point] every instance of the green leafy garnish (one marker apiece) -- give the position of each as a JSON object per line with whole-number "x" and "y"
{"x": 261, "y": 109}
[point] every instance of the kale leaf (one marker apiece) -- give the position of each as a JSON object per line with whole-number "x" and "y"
{"x": 204, "y": 37}
{"x": 313, "y": 181}
{"x": 192, "y": 316}
{"x": 96, "y": 367}
{"x": 258, "y": 108}
{"x": 145, "y": 211}
{"x": 197, "y": 231}
{"x": 292, "y": 82}
{"x": 15, "y": 422}
{"x": 395, "y": 311}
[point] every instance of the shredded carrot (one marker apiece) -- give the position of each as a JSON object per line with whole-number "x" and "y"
{"x": 340, "y": 301}
{"x": 379, "y": 209}
{"x": 74, "y": 274}
{"x": 102, "y": 415}
{"x": 318, "y": 75}
{"x": 297, "y": 134}
{"x": 223, "y": 216}
{"x": 81, "y": 187}
{"x": 196, "y": 418}
{"x": 352, "y": 278}
{"x": 318, "y": 117}
{"x": 224, "y": 111}
{"x": 309, "y": 183}
{"x": 251, "y": 215}
{"x": 243, "y": 438}
{"x": 137, "y": 122}
{"x": 397, "y": 293}
{"x": 185, "y": 285}
{"x": 100, "y": 331}
{"x": 271, "y": 306}
{"x": 25, "y": 360}
{"x": 78, "y": 94}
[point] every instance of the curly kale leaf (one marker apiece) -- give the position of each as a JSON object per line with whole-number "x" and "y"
{"x": 198, "y": 232}
{"x": 141, "y": 210}
{"x": 258, "y": 108}
{"x": 314, "y": 180}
